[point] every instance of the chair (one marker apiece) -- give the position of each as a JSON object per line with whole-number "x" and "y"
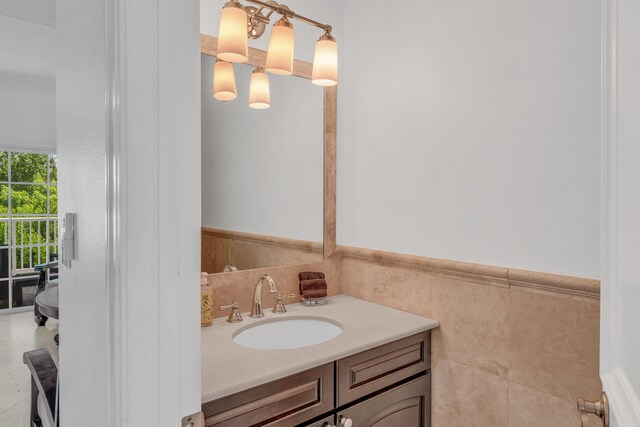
{"x": 44, "y": 388}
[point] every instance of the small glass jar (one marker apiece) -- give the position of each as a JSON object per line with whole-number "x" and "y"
{"x": 206, "y": 301}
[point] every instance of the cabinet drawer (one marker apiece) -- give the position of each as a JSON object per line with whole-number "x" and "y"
{"x": 372, "y": 370}
{"x": 408, "y": 405}
{"x": 284, "y": 402}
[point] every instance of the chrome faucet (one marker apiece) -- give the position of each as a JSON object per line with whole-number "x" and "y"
{"x": 256, "y": 308}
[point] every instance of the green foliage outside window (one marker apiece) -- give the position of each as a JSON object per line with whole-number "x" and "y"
{"x": 32, "y": 198}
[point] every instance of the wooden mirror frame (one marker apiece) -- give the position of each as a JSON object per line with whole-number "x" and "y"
{"x": 257, "y": 58}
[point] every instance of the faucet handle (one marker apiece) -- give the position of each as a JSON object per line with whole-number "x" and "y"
{"x": 234, "y": 316}
{"x": 280, "y": 308}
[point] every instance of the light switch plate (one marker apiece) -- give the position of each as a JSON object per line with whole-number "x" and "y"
{"x": 69, "y": 239}
{"x": 193, "y": 420}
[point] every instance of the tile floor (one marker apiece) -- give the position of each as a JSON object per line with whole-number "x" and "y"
{"x": 19, "y": 333}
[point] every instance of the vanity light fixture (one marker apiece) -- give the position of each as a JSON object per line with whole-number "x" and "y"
{"x": 239, "y": 23}
{"x": 280, "y": 53}
{"x": 259, "y": 97}
{"x": 224, "y": 81}
{"x": 232, "y": 37}
{"x": 325, "y": 62}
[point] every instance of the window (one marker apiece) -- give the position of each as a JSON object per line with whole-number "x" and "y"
{"x": 28, "y": 223}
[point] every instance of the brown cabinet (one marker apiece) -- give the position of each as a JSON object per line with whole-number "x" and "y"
{"x": 388, "y": 385}
{"x": 406, "y": 405}
{"x": 286, "y": 402}
{"x": 365, "y": 373}
{"x": 329, "y": 421}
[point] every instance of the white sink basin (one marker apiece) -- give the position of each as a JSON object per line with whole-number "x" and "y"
{"x": 288, "y": 333}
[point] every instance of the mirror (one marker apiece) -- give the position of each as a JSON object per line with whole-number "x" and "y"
{"x": 263, "y": 174}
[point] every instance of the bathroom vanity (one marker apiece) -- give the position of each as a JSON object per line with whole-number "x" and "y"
{"x": 375, "y": 373}
{"x": 349, "y": 362}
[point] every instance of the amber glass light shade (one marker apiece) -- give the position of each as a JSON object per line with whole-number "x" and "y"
{"x": 325, "y": 62}
{"x": 259, "y": 96}
{"x": 280, "y": 53}
{"x": 224, "y": 81}
{"x": 233, "y": 43}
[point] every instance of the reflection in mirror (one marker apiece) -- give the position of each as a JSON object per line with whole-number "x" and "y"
{"x": 262, "y": 174}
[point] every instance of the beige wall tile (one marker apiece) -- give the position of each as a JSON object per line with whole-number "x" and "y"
{"x": 402, "y": 288}
{"x": 554, "y": 343}
{"x": 532, "y": 408}
{"x": 474, "y": 324}
{"x": 464, "y": 396}
{"x": 207, "y": 261}
{"x": 547, "y": 341}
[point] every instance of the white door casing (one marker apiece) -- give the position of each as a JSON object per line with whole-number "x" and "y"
{"x": 157, "y": 123}
{"x": 620, "y": 295}
{"x": 129, "y": 142}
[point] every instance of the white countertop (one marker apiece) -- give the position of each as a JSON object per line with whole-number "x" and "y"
{"x": 228, "y": 368}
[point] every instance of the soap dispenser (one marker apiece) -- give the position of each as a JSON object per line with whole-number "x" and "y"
{"x": 206, "y": 301}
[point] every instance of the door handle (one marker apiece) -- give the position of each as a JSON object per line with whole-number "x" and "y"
{"x": 599, "y": 408}
{"x": 193, "y": 420}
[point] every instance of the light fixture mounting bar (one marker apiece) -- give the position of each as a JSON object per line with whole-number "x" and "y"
{"x": 285, "y": 11}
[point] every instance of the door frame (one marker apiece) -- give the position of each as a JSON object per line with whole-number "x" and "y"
{"x": 624, "y": 401}
{"x": 116, "y": 258}
{"x": 152, "y": 278}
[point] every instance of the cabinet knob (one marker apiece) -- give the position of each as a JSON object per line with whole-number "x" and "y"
{"x": 346, "y": 422}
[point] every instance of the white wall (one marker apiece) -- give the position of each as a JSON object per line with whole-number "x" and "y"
{"x": 82, "y": 136}
{"x": 467, "y": 130}
{"x": 28, "y": 120}
{"x": 471, "y": 131}
{"x": 27, "y": 76}
{"x": 262, "y": 169}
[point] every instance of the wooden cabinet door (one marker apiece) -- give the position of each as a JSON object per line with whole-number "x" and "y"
{"x": 408, "y": 405}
